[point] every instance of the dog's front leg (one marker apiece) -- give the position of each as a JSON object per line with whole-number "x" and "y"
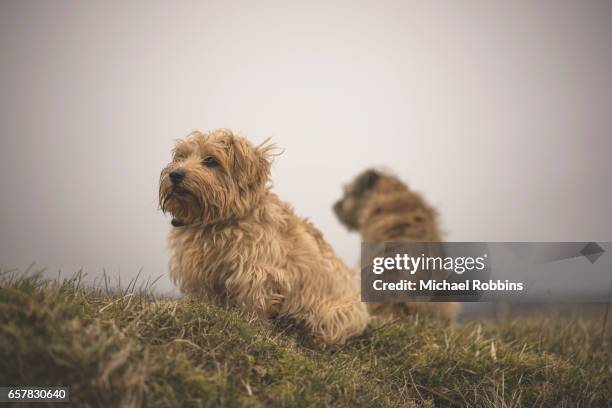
{"x": 257, "y": 290}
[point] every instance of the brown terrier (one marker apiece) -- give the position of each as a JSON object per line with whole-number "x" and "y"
{"x": 383, "y": 209}
{"x": 235, "y": 241}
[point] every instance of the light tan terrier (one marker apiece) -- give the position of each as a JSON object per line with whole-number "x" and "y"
{"x": 234, "y": 240}
{"x": 383, "y": 209}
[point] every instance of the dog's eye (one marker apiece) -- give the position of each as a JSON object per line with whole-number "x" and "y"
{"x": 210, "y": 162}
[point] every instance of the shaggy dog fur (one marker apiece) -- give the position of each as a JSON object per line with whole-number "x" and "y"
{"x": 236, "y": 242}
{"x": 384, "y": 209}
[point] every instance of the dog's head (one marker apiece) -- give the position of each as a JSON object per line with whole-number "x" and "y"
{"x": 348, "y": 209}
{"x": 213, "y": 177}
{"x": 357, "y": 194}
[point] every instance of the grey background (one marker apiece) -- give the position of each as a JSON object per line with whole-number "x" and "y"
{"x": 499, "y": 112}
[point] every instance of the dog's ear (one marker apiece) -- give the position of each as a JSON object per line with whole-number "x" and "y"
{"x": 367, "y": 180}
{"x": 251, "y": 164}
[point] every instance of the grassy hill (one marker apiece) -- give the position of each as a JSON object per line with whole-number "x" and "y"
{"x": 131, "y": 349}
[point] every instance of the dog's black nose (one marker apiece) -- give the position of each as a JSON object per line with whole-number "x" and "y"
{"x": 177, "y": 176}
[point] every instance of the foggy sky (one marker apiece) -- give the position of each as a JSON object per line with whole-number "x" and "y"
{"x": 499, "y": 112}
